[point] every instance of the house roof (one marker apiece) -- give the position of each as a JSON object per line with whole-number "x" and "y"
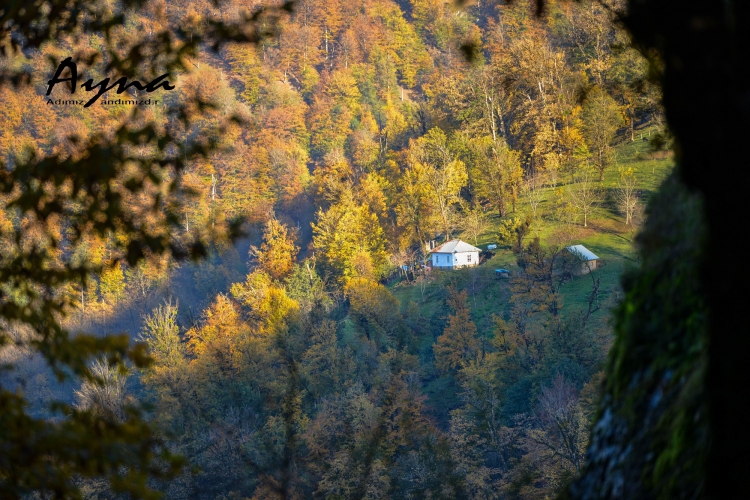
{"x": 582, "y": 252}
{"x": 455, "y": 246}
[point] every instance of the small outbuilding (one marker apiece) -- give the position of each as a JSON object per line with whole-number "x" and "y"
{"x": 455, "y": 254}
{"x": 587, "y": 258}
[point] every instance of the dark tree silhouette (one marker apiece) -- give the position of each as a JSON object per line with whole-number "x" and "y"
{"x": 698, "y": 350}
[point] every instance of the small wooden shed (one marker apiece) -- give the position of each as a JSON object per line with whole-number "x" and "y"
{"x": 587, "y": 258}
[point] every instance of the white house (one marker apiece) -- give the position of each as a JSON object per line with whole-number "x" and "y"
{"x": 454, "y": 254}
{"x": 586, "y": 256}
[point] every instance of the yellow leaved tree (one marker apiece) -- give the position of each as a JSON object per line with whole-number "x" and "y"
{"x": 441, "y": 171}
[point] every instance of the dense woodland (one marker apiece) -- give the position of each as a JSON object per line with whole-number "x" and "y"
{"x": 316, "y": 355}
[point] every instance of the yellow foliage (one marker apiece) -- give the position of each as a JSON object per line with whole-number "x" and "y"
{"x": 372, "y": 187}
{"x": 344, "y": 233}
{"x": 342, "y": 88}
{"x": 220, "y": 329}
{"x": 277, "y": 253}
{"x": 270, "y": 308}
{"x": 112, "y": 284}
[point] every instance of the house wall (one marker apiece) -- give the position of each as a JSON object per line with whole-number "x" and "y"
{"x": 455, "y": 260}
{"x": 587, "y": 267}
{"x": 466, "y": 259}
{"x": 442, "y": 260}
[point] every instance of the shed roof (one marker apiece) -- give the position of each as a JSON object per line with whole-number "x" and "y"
{"x": 455, "y": 246}
{"x": 582, "y": 252}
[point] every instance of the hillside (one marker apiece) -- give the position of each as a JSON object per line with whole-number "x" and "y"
{"x": 607, "y": 236}
{"x": 261, "y": 234}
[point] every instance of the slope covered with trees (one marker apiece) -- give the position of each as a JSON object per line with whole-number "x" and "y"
{"x": 317, "y": 356}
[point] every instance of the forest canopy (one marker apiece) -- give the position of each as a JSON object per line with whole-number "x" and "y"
{"x": 311, "y": 155}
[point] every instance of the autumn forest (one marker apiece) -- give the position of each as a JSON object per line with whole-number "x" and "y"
{"x": 258, "y": 253}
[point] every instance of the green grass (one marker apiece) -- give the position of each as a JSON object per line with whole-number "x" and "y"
{"x": 487, "y": 294}
{"x": 606, "y": 235}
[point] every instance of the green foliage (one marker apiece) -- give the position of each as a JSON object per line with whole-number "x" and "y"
{"x": 305, "y": 286}
{"x": 458, "y": 344}
{"x": 512, "y": 232}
